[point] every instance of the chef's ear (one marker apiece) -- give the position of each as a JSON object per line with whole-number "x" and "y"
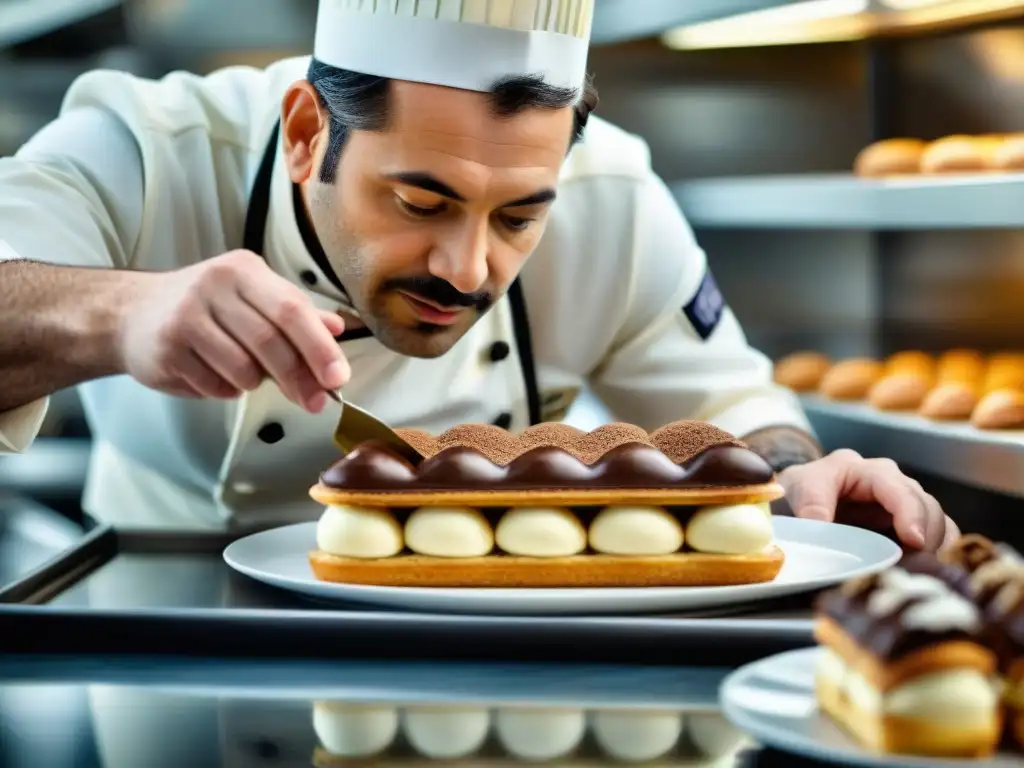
{"x": 305, "y": 129}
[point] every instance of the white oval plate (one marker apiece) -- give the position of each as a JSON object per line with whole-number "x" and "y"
{"x": 817, "y": 555}
{"x": 773, "y": 700}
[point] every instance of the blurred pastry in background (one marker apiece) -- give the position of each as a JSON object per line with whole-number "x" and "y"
{"x": 851, "y": 379}
{"x": 959, "y": 154}
{"x": 1005, "y": 371}
{"x": 900, "y": 391}
{"x": 1000, "y": 409}
{"x": 889, "y": 157}
{"x": 910, "y": 361}
{"x": 960, "y": 365}
{"x": 1009, "y": 155}
{"x": 950, "y": 401}
{"x": 802, "y": 371}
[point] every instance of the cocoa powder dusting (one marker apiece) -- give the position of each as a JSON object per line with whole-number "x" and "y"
{"x": 683, "y": 440}
{"x": 680, "y": 441}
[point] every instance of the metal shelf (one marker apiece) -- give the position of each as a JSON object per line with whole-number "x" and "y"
{"x": 617, "y": 21}
{"x": 993, "y": 460}
{"x": 22, "y": 20}
{"x": 843, "y": 201}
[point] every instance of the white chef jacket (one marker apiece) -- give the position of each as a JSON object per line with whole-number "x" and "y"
{"x": 157, "y": 175}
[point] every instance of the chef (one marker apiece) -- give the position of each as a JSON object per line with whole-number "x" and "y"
{"x": 424, "y": 214}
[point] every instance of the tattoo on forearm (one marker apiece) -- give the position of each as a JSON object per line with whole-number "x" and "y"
{"x": 783, "y": 447}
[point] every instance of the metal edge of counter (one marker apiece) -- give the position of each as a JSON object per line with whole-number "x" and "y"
{"x": 28, "y": 626}
{"x": 97, "y": 545}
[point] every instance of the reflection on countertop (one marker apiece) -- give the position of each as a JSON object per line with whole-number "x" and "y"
{"x": 165, "y": 712}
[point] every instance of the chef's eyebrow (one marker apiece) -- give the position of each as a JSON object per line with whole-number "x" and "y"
{"x": 431, "y": 183}
{"x": 427, "y": 182}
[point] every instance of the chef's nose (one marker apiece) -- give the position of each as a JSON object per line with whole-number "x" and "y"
{"x": 461, "y": 257}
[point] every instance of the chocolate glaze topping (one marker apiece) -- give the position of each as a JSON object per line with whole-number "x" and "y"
{"x": 888, "y": 634}
{"x": 483, "y": 457}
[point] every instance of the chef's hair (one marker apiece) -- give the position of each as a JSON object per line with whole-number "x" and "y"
{"x": 359, "y": 102}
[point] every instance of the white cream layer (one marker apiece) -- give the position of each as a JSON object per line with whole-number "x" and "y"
{"x": 954, "y": 696}
{"x": 459, "y": 532}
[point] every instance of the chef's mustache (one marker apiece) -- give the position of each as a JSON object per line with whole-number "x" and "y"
{"x": 440, "y": 292}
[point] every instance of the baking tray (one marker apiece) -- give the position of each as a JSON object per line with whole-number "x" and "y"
{"x": 171, "y": 593}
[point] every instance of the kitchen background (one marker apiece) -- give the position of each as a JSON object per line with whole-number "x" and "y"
{"x": 755, "y": 111}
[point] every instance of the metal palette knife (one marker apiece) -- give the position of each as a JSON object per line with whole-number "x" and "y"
{"x": 357, "y": 426}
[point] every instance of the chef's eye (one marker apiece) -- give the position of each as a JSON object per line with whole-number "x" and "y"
{"x": 516, "y": 223}
{"x": 419, "y": 210}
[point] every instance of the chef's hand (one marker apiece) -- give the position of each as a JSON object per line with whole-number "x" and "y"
{"x": 871, "y": 493}
{"x": 219, "y": 328}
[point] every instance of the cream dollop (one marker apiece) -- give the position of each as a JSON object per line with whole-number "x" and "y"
{"x": 352, "y": 730}
{"x": 636, "y": 737}
{"x": 541, "y": 532}
{"x": 734, "y": 529}
{"x": 540, "y": 734}
{"x": 364, "y": 532}
{"x": 449, "y": 532}
{"x": 636, "y": 531}
{"x": 443, "y": 733}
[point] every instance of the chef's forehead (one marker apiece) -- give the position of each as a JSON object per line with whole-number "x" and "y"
{"x": 469, "y": 125}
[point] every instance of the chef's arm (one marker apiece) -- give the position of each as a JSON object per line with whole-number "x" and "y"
{"x": 680, "y": 352}
{"x": 70, "y": 213}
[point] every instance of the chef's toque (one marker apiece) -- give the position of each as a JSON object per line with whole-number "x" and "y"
{"x": 468, "y": 44}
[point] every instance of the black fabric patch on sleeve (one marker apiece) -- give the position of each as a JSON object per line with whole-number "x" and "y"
{"x": 706, "y": 307}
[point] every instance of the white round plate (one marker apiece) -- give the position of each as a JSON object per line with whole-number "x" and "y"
{"x": 773, "y": 701}
{"x": 817, "y": 555}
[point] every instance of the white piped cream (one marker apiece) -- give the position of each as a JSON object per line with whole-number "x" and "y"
{"x": 635, "y": 531}
{"x": 540, "y": 532}
{"x": 363, "y": 532}
{"x": 449, "y": 532}
{"x": 735, "y": 529}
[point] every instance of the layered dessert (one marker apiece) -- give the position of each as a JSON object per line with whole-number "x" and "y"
{"x": 553, "y": 506}
{"x": 991, "y": 576}
{"x": 905, "y": 666}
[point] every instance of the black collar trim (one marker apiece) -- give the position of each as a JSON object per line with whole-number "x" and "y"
{"x": 312, "y": 242}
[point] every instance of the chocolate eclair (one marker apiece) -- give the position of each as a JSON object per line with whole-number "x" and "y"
{"x": 553, "y": 506}
{"x": 904, "y": 666}
{"x": 991, "y": 576}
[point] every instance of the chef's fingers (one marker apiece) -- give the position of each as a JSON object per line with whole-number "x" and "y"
{"x": 936, "y": 524}
{"x": 284, "y": 306}
{"x": 203, "y": 379}
{"x": 334, "y": 322}
{"x": 274, "y": 353}
{"x": 812, "y": 490}
{"x": 224, "y": 355}
{"x": 885, "y": 483}
{"x": 951, "y": 534}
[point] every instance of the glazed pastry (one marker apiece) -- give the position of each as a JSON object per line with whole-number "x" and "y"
{"x": 851, "y": 379}
{"x": 959, "y": 154}
{"x": 992, "y": 577}
{"x": 960, "y": 365}
{"x": 1009, "y": 155}
{"x": 802, "y": 371}
{"x": 900, "y": 391}
{"x": 910, "y": 361}
{"x": 950, "y": 401}
{"x": 904, "y": 666}
{"x": 1005, "y": 371}
{"x": 1000, "y": 409}
{"x": 550, "y": 507}
{"x": 889, "y": 157}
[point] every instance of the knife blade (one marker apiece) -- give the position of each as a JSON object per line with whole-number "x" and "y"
{"x": 357, "y": 426}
